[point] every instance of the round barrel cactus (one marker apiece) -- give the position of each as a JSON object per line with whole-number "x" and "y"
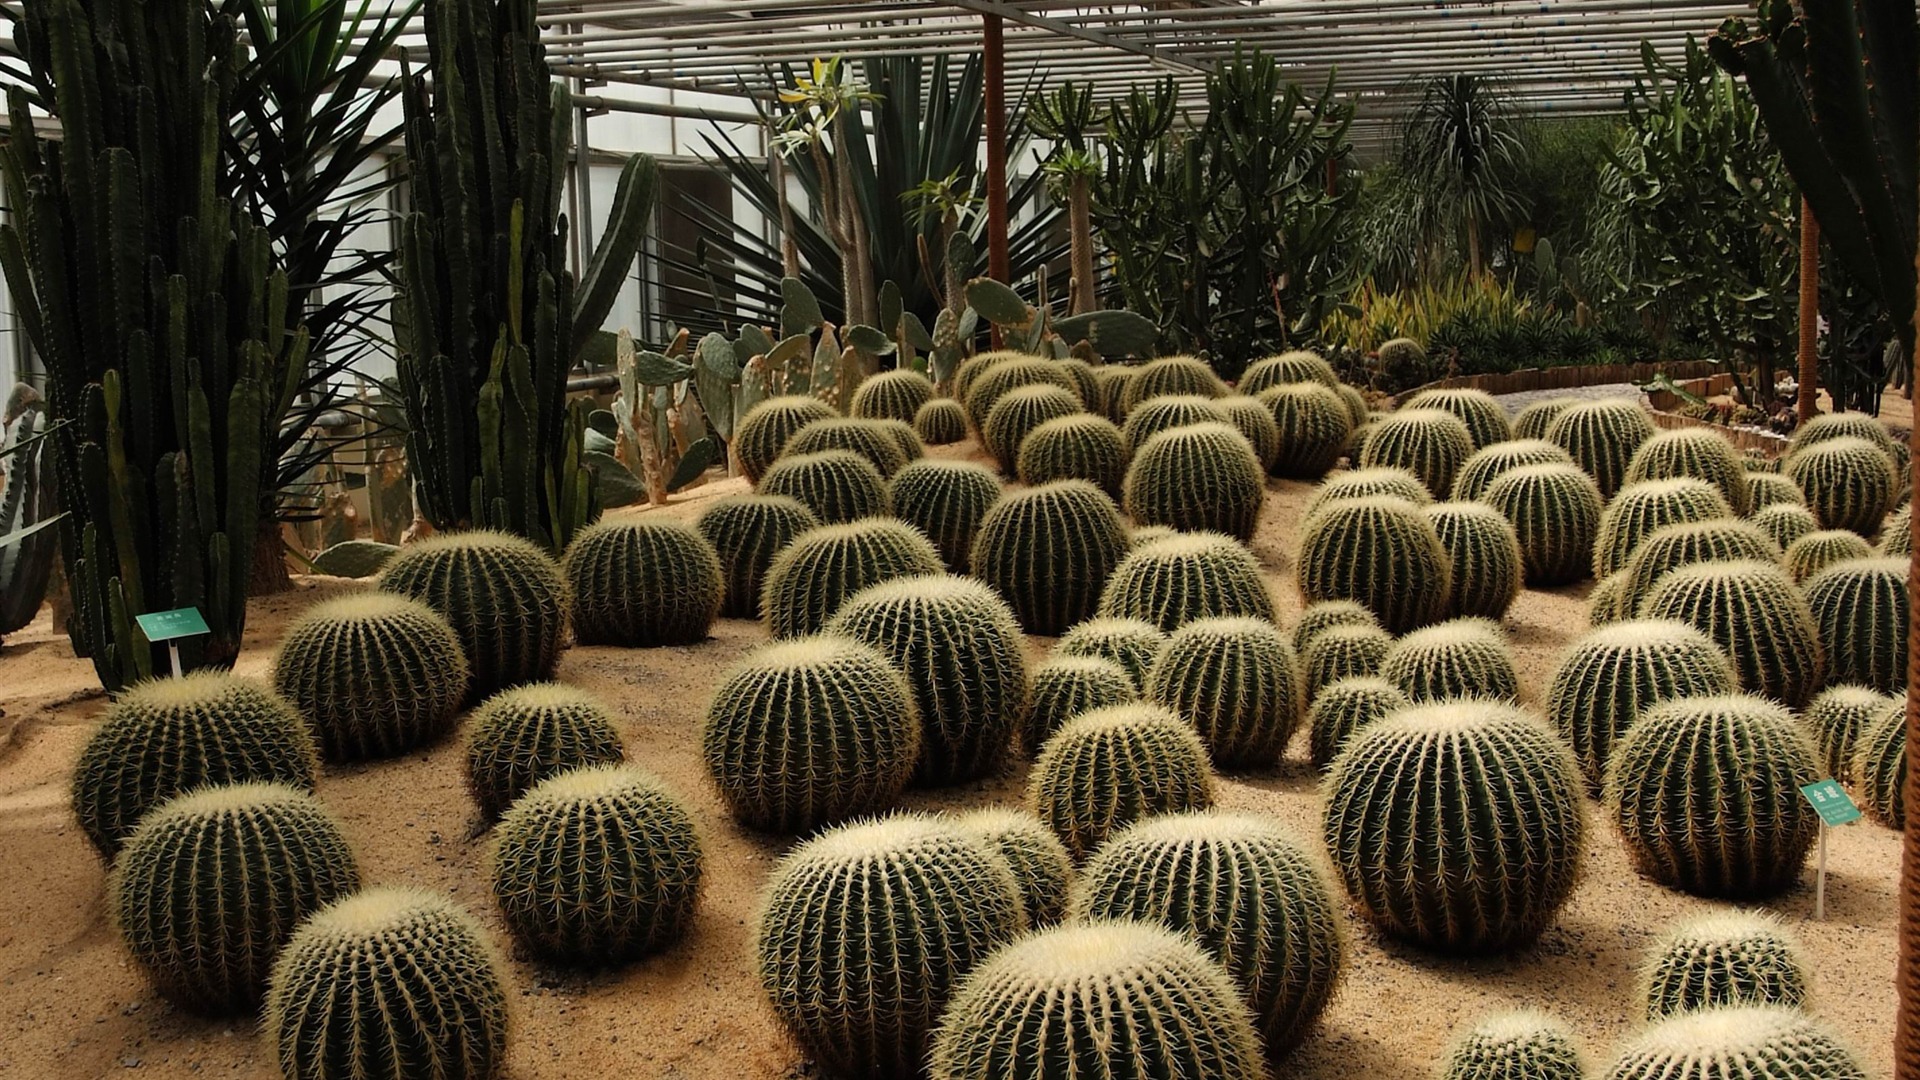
{"x": 1879, "y": 766}
{"x": 1002, "y": 378}
{"x": 903, "y": 435}
{"x": 1402, "y": 361}
{"x": 1202, "y": 477}
{"x": 1156, "y": 415}
{"x": 505, "y": 599}
{"x": 375, "y": 674}
{"x": 166, "y": 737}
{"x": 1532, "y": 421}
{"x": 837, "y": 485}
{"x": 1705, "y": 792}
{"x": 1766, "y": 489}
{"x": 746, "y": 532}
{"x": 1314, "y": 426}
{"x": 1247, "y": 891}
{"x": 1784, "y": 522}
{"x": 1817, "y": 550}
{"x": 1602, "y": 437}
{"x": 1495, "y": 801}
{"x": 1366, "y": 484}
{"x": 1841, "y": 425}
{"x": 597, "y": 865}
{"x": 1484, "y": 555}
{"x": 1753, "y": 611}
{"x": 1608, "y": 678}
{"x": 1381, "y": 552}
{"x": 977, "y": 365}
{"x": 1896, "y": 534}
{"x": 824, "y": 567}
{"x": 1108, "y": 768}
{"x": 1188, "y": 576}
{"x": 1295, "y": 366}
{"x": 1343, "y": 707}
{"x": 891, "y": 395}
{"x": 1041, "y": 866}
{"x": 765, "y": 429}
{"x": 643, "y": 582}
{"x": 1327, "y": 614}
{"x": 1256, "y": 424}
{"x": 862, "y": 437}
{"x": 1555, "y": 511}
{"x": 1836, "y": 716}
{"x": 1860, "y": 608}
{"x": 1459, "y": 658}
{"x": 1849, "y": 483}
{"x": 1741, "y": 1043}
{"x": 1131, "y": 643}
{"x": 1017, "y": 413}
{"x": 1342, "y": 652}
{"x": 1110, "y": 384}
{"x": 962, "y": 651}
{"x": 1238, "y": 682}
{"x": 941, "y": 422}
{"x": 946, "y": 500}
{"x": 1172, "y": 376}
{"x": 1644, "y": 508}
{"x": 1142, "y": 535}
{"x": 1081, "y": 446}
{"x": 1700, "y": 453}
{"x": 1084, "y": 382}
{"x": 388, "y": 984}
{"x": 1607, "y": 600}
{"x": 807, "y": 732}
{"x": 1431, "y": 444}
{"x": 1489, "y": 463}
{"x": 211, "y": 885}
{"x": 1486, "y": 421}
{"x": 1358, "y": 410}
{"x": 1519, "y": 1045}
{"x": 1724, "y": 958}
{"x": 1049, "y": 551}
{"x": 1668, "y": 549}
{"x": 867, "y": 930}
{"x": 521, "y": 736}
{"x": 1066, "y": 686}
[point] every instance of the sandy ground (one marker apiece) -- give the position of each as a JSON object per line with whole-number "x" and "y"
{"x": 73, "y": 1005}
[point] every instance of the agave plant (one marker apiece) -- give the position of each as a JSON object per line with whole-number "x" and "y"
{"x": 1460, "y": 152}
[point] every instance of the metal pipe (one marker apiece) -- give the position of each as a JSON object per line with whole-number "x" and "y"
{"x": 999, "y": 265}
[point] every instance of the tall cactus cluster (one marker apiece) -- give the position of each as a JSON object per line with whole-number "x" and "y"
{"x": 522, "y": 736}
{"x": 504, "y": 597}
{"x": 1460, "y": 658}
{"x": 29, "y": 506}
{"x": 374, "y": 675}
{"x": 1555, "y": 511}
{"x": 1184, "y": 577}
{"x": 1726, "y": 958}
{"x": 1201, "y": 477}
{"x": 1608, "y": 678}
{"x": 825, "y": 567}
{"x": 1381, "y": 552}
{"x": 1602, "y": 437}
{"x": 1643, "y": 508}
{"x": 746, "y": 532}
{"x": 1859, "y": 607}
{"x": 1431, "y": 444}
{"x": 1238, "y": 681}
{"x": 1484, "y": 556}
{"x": 1108, "y": 768}
{"x": 643, "y": 583}
{"x": 1049, "y": 552}
{"x": 1314, "y": 426}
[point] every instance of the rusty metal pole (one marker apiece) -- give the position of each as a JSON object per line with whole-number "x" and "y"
{"x": 1808, "y": 400}
{"x": 998, "y": 263}
{"x": 1906, "y": 981}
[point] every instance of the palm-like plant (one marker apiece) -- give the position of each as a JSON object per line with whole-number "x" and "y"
{"x": 1460, "y": 151}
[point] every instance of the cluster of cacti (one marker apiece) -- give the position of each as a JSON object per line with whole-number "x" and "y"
{"x": 1766, "y": 489}
{"x": 746, "y": 532}
{"x": 1836, "y": 717}
{"x": 1002, "y": 378}
{"x": 962, "y": 652}
{"x": 1107, "y": 768}
{"x": 1184, "y": 577}
{"x": 1488, "y": 463}
{"x": 1459, "y": 658}
{"x": 1133, "y": 1000}
{"x": 946, "y": 500}
{"x": 1817, "y": 550}
{"x": 807, "y": 732}
{"x": 837, "y": 485}
{"x": 1754, "y": 612}
{"x": 597, "y": 865}
{"x": 1344, "y": 652}
{"x": 1243, "y": 888}
{"x": 1602, "y": 437}
{"x": 1607, "y": 600}
{"x": 28, "y": 500}
{"x": 1110, "y": 385}
{"x": 1049, "y": 551}
{"x": 1131, "y": 643}
{"x": 388, "y": 984}
{"x": 166, "y": 737}
{"x": 1705, "y": 792}
{"x": 1608, "y": 678}
{"x": 763, "y": 431}
{"x": 1555, "y": 511}
{"x": 374, "y": 675}
{"x": 1077, "y": 447}
{"x": 1345, "y": 706}
{"x": 643, "y": 582}
{"x": 1171, "y": 376}
{"x": 1496, "y": 799}
{"x": 1896, "y": 534}
{"x": 1533, "y": 421}
{"x": 1154, "y": 416}
{"x": 1202, "y": 477}
{"x": 913, "y": 903}
{"x": 505, "y": 599}
{"x": 1367, "y": 484}
{"x": 1849, "y": 483}
{"x": 521, "y": 736}
{"x": 1878, "y": 768}
{"x": 1726, "y": 958}
{"x": 1381, "y": 552}
{"x": 891, "y": 395}
{"x": 1431, "y": 444}
{"x": 1017, "y": 413}
{"x": 1041, "y": 866}
{"x": 1699, "y": 453}
{"x": 824, "y": 567}
{"x": 1757, "y": 1042}
{"x": 1841, "y": 425}
{"x": 1784, "y": 522}
{"x": 211, "y": 885}
{"x": 1066, "y": 686}
{"x": 941, "y": 422}
{"x": 1238, "y": 681}
{"x": 1256, "y": 424}
{"x": 1860, "y": 609}
{"x": 1676, "y": 546}
{"x": 1401, "y": 360}
{"x": 863, "y": 437}
{"x": 1486, "y": 421}
{"x": 1484, "y": 554}
{"x": 1641, "y": 509}
{"x": 1297, "y": 366}
{"x": 1520, "y": 1045}
{"x": 1314, "y": 426}
{"x": 1327, "y": 614}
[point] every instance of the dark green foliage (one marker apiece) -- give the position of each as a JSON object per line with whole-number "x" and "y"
{"x": 1752, "y": 610}
{"x": 1342, "y": 652}
{"x": 1017, "y": 413}
{"x": 892, "y": 395}
{"x": 1836, "y": 717}
{"x": 1256, "y": 424}
{"x": 1784, "y": 522}
{"x": 1522, "y": 1045}
{"x": 504, "y": 598}
{"x": 824, "y": 567}
{"x": 1860, "y": 607}
{"x": 1154, "y": 416}
{"x": 1297, "y": 366}
{"x": 1066, "y": 686}
{"x": 524, "y": 735}
{"x": 1606, "y": 679}
{"x": 1431, "y": 444}
{"x": 1381, "y": 552}
{"x": 1533, "y": 421}
{"x": 1726, "y": 958}
{"x": 1459, "y": 658}
{"x": 1131, "y": 643}
{"x": 1238, "y": 682}
{"x": 1107, "y": 768}
{"x": 761, "y": 434}
{"x": 1602, "y": 437}
{"x": 1879, "y": 766}
{"x": 28, "y": 507}
{"x": 1202, "y": 477}
{"x": 1814, "y": 552}
{"x": 1700, "y": 453}
{"x": 1684, "y": 545}
{"x": 946, "y": 500}
{"x": 1077, "y": 447}
{"x": 374, "y": 675}
{"x": 1171, "y": 375}
{"x": 746, "y": 532}
{"x": 1041, "y": 866}
{"x": 863, "y": 437}
{"x": 1049, "y": 550}
{"x": 1849, "y": 483}
{"x": 1770, "y": 488}
{"x": 1184, "y": 577}
{"x": 940, "y": 422}
{"x": 1489, "y": 463}
{"x": 1314, "y": 426}
{"x": 1555, "y": 511}
{"x": 1645, "y": 507}
{"x": 1484, "y": 554}
{"x": 1736, "y": 1043}
{"x": 1002, "y": 378}
{"x": 1345, "y": 706}
{"x": 837, "y": 485}
{"x": 643, "y": 582}
{"x": 1327, "y": 614}
{"x": 1486, "y": 421}
{"x": 1366, "y": 484}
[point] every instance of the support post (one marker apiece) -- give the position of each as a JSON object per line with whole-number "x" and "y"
{"x": 998, "y": 262}
{"x": 1807, "y": 400}
{"x": 1820, "y": 886}
{"x": 1906, "y": 980}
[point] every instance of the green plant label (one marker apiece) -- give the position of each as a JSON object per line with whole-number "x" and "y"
{"x": 178, "y": 623}
{"x": 1831, "y": 802}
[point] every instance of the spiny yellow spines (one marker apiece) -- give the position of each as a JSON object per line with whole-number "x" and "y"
{"x": 1668, "y": 549}
{"x": 1459, "y": 658}
{"x": 1110, "y": 383}
{"x": 1766, "y": 489}
{"x": 1742, "y": 1043}
{"x": 946, "y": 500}
{"x": 892, "y": 395}
{"x": 1402, "y": 360}
{"x": 212, "y": 884}
{"x": 765, "y": 429}
{"x": 1484, "y": 554}
{"x": 1243, "y": 888}
{"x": 1342, "y": 652}
{"x": 903, "y": 435}
{"x": 1721, "y": 959}
{"x": 505, "y": 599}
{"x": 1641, "y": 509}
{"x": 962, "y": 652}
{"x": 1820, "y": 549}
{"x": 1238, "y": 681}
{"x": 1496, "y": 796}
{"x": 1256, "y": 424}
{"x": 1001, "y": 378}
{"x": 1555, "y": 511}
{"x": 1879, "y": 766}
{"x": 1156, "y": 415}
{"x": 974, "y": 366}
{"x": 1080, "y": 446}
{"x": 824, "y": 567}
{"x": 1295, "y": 366}
{"x": 388, "y": 984}
{"x": 1123, "y": 999}
{"x": 863, "y": 437}
{"x": 1835, "y": 718}
{"x": 1700, "y": 453}
{"x": 940, "y": 422}
{"x": 1784, "y": 522}
{"x": 597, "y": 865}
{"x": 1172, "y": 375}
{"x": 1131, "y": 643}
{"x": 1849, "y": 483}
{"x": 1345, "y": 706}
{"x": 746, "y": 532}
{"x": 1084, "y": 383}
{"x": 1489, "y": 463}
{"x": 1607, "y": 601}
{"x": 1533, "y": 421}
{"x": 837, "y": 485}
{"x": 1187, "y": 576}
{"x": 1314, "y": 426}
{"x": 1485, "y": 419}
{"x": 1608, "y": 678}
{"x": 1202, "y": 477}
{"x": 1327, "y": 614}
{"x": 1896, "y": 535}
{"x": 1357, "y": 408}
{"x": 643, "y": 582}
{"x": 521, "y": 736}
{"x": 1041, "y": 866}
{"x": 1841, "y": 425}
{"x": 1431, "y": 444}
{"x": 1108, "y": 768}
{"x": 868, "y": 928}
{"x": 1017, "y": 413}
{"x": 374, "y": 674}
{"x": 1141, "y": 535}
{"x": 1753, "y": 611}
{"x": 1049, "y": 552}
{"x": 1705, "y": 793}
{"x": 1602, "y": 437}
{"x": 1366, "y": 484}
{"x": 1519, "y": 1045}
{"x": 1066, "y": 686}
{"x": 1381, "y": 552}
{"x": 164, "y": 737}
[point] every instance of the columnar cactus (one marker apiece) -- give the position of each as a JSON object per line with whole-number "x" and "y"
{"x": 1078, "y": 447}
{"x": 765, "y": 429}
{"x": 1238, "y": 681}
{"x": 1489, "y": 463}
{"x": 869, "y": 927}
{"x": 837, "y": 485}
{"x": 1641, "y": 509}
{"x": 746, "y": 532}
{"x": 1172, "y": 375}
{"x": 212, "y": 884}
{"x": 1484, "y": 554}
{"x": 1608, "y": 678}
{"x": 946, "y": 500}
{"x": 1555, "y": 511}
{"x": 891, "y": 395}
{"x": 1860, "y": 607}
{"x": 1496, "y": 799}
{"x": 1247, "y": 891}
{"x": 1533, "y": 421}
{"x": 1753, "y": 611}
{"x": 1366, "y": 484}
{"x": 1849, "y": 483}
{"x": 1110, "y": 383}
{"x": 1725, "y": 958}
{"x": 597, "y": 865}
{"x": 1459, "y": 658}
{"x": 374, "y": 674}
{"x": 1314, "y": 427}
{"x": 1841, "y": 425}
{"x": 1066, "y": 686}
{"x": 824, "y": 567}
{"x": 1001, "y": 378}
{"x": 643, "y": 582}
{"x": 1343, "y": 652}
{"x": 1202, "y": 477}
{"x": 862, "y": 437}
{"x": 1256, "y": 424}
{"x": 1817, "y": 550}
{"x": 1131, "y": 643}
{"x": 1677, "y": 546}
{"x": 1742, "y": 1043}
{"x": 166, "y": 737}
{"x": 1700, "y": 453}
{"x": 1607, "y": 600}
{"x": 1108, "y": 768}
{"x": 1477, "y": 409}
{"x": 1784, "y": 522}
{"x": 504, "y": 598}
{"x": 388, "y": 984}
{"x": 962, "y": 652}
{"x": 1041, "y": 866}
{"x": 1705, "y": 792}
{"x": 1520, "y": 1045}
{"x": 1602, "y": 437}
{"x": 1431, "y": 444}
{"x": 1296, "y": 366}
{"x": 1049, "y": 552}
{"x": 1343, "y": 707}
{"x": 521, "y": 736}
{"x": 1327, "y": 614}
{"x": 1156, "y": 415}
{"x": 1836, "y": 717}
{"x": 1133, "y": 1000}
{"x": 1381, "y": 552}
{"x": 1896, "y": 534}
{"x": 941, "y": 422}
{"x": 1879, "y": 766}
{"x": 1766, "y": 489}
{"x": 1017, "y": 413}
{"x": 1171, "y": 582}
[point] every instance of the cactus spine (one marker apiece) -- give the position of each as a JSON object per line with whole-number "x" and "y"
{"x": 746, "y": 532}
{"x": 1486, "y": 421}
{"x": 1836, "y": 717}
{"x": 643, "y": 582}
{"x": 1602, "y": 437}
{"x": 1484, "y": 557}
{"x": 1726, "y": 958}
{"x": 940, "y": 422}
{"x": 1700, "y": 453}
{"x": 1555, "y": 511}
{"x": 1131, "y": 643}
{"x": 1066, "y": 686}
{"x": 1644, "y": 508}
{"x": 1041, "y": 866}
{"x": 1609, "y": 678}
{"x": 1381, "y": 552}
{"x": 1188, "y": 576}
{"x": 1489, "y": 463}
{"x": 946, "y": 500}
{"x": 375, "y": 675}
{"x": 1049, "y": 551}
{"x": 1105, "y": 769}
{"x": 891, "y": 395}
{"x": 1202, "y": 477}
{"x": 1459, "y": 658}
{"x": 1343, "y": 707}
{"x": 837, "y": 485}
{"x": 1238, "y": 681}
{"x": 521, "y": 736}
{"x": 504, "y": 598}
